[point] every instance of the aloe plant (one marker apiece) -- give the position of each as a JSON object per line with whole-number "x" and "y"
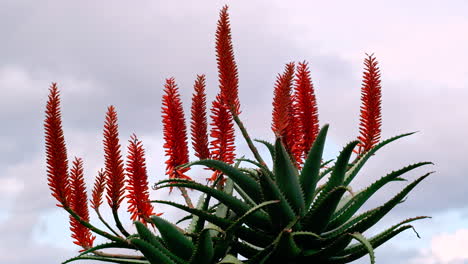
{"x": 299, "y": 209}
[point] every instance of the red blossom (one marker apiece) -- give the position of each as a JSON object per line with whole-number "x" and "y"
{"x": 98, "y": 190}
{"x": 283, "y": 113}
{"x": 227, "y": 68}
{"x": 199, "y": 127}
{"x": 306, "y": 107}
{"x": 175, "y": 131}
{"x": 222, "y": 134}
{"x": 113, "y": 161}
{"x": 79, "y": 203}
{"x": 370, "y": 119}
{"x": 138, "y": 195}
{"x": 56, "y": 151}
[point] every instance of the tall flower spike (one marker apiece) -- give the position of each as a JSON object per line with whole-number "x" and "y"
{"x": 175, "y": 131}
{"x": 56, "y": 151}
{"x": 79, "y": 204}
{"x": 138, "y": 195}
{"x": 222, "y": 134}
{"x": 306, "y": 107}
{"x": 198, "y": 125}
{"x": 227, "y": 68}
{"x": 370, "y": 119}
{"x": 282, "y": 104}
{"x": 98, "y": 190}
{"x": 113, "y": 161}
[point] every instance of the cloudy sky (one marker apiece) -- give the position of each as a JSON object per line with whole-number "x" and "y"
{"x": 120, "y": 52}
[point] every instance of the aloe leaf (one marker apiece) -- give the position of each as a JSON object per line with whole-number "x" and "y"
{"x": 286, "y": 247}
{"x": 258, "y": 219}
{"x": 376, "y": 214}
{"x": 310, "y": 172}
{"x": 107, "y": 259}
{"x": 326, "y": 163}
{"x": 245, "y": 182}
{"x": 155, "y": 241}
{"x": 154, "y": 255}
{"x": 282, "y": 213}
{"x": 355, "y": 203}
{"x": 319, "y": 216}
{"x": 175, "y": 240}
{"x": 230, "y": 259}
{"x": 359, "y": 237}
{"x": 356, "y": 251}
{"x": 382, "y": 237}
{"x": 241, "y": 219}
{"x": 244, "y": 249}
{"x": 250, "y": 235}
{"x": 104, "y": 246}
{"x": 359, "y": 163}
{"x": 270, "y": 147}
{"x": 287, "y": 178}
{"x": 203, "y": 253}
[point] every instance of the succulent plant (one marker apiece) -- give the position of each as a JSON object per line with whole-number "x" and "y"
{"x": 299, "y": 209}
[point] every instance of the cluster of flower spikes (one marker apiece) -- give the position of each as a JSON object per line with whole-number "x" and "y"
{"x": 69, "y": 188}
{"x": 225, "y": 105}
{"x": 295, "y": 114}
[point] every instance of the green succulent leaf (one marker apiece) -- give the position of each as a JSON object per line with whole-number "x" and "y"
{"x": 366, "y": 244}
{"x": 107, "y": 259}
{"x": 155, "y": 241}
{"x": 230, "y": 259}
{"x": 359, "y": 163}
{"x": 204, "y": 251}
{"x": 282, "y": 213}
{"x": 154, "y": 255}
{"x": 319, "y": 216}
{"x": 259, "y": 219}
{"x": 270, "y": 147}
{"x": 354, "y": 204}
{"x": 310, "y": 172}
{"x": 175, "y": 240}
{"x": 245, "y": 182}
{"x": 287, "y": 178}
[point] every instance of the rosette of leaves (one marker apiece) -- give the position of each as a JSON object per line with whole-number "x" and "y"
{"x": 285, "y": 215}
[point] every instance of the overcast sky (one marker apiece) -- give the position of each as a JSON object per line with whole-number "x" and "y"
{"x": 120, "y": 52}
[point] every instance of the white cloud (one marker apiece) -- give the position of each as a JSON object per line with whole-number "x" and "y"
{"x": 446, "y": 248}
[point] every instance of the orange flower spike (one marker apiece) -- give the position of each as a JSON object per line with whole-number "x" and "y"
{"x": 222, "y": 133}
{"x": 98, "y": 190}
{"x": 282, "y": 104}
{"x": 79, "y": 203}
{"x": 113, "y": 161}
{"x": 371, "y": 94}
{"x": 306, "y": 107}
{"x": 227, "y": 68}
{"x": 137, "y": 187}
{"x": 56, "y": 151}
{"x": 175, "y": 131}
{"x": 198, "y": 125}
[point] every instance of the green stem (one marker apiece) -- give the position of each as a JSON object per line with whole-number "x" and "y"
{"x": 93, "y": 228}
{"x": 104, "y": 222}
{"x": 247, "y": 138}
{"x": 188, "y": 201}
{"x": 118, "y": 223}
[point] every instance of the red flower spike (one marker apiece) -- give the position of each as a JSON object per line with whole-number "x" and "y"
{"x": 222, "y": 133}
{"x": 113, "y": 160}
{"x": 282, "y": 105}
{"x": 306, "y": 107}
{"x": 137, "y": 187}
{"x": 227, "y": 68}
{"x": 56, "y": 151}
{"x": 98, "y": 190}
{"x": 198, "y": 125}
{"x": 370, "y": 119}
{"x": 175, "y": 131}
{"x": 79, "y": 204}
